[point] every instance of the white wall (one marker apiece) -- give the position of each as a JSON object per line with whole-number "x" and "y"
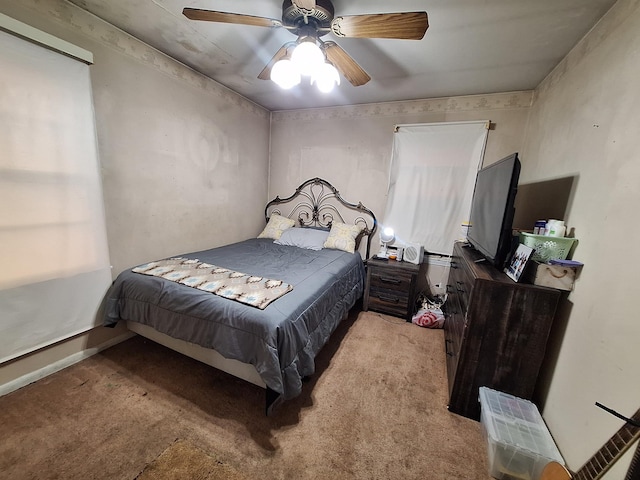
{"x": 585, "y": 122}
{"x": 173, "y": 149}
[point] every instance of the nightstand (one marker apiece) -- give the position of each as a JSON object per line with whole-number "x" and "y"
{"x": 392, "y": 287}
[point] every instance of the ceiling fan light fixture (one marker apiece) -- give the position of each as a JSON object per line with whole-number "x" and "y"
{"x": 308, "y": 57}
{"x": 309, "y": 20}
{"x": 285, "y": 74}
{"x": 326, "y": 77}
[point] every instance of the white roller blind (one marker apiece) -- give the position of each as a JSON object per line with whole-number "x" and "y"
{"x": 433, "y": 172}
{"x": 54, "y": 262}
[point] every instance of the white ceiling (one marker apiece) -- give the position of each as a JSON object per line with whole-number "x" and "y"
{"x": 471, "y": 46}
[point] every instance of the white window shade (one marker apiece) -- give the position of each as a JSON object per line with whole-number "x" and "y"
{"x": 54, "y": 262}
{"x": 433, "y": 172}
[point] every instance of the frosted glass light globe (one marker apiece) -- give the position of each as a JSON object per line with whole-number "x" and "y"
{"x": 285, "y": 74}
{"x": 307, "y": 56}
{"x": 326, "y": 77}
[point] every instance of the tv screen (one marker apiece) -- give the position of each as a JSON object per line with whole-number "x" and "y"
{"x": 492, "y": 209}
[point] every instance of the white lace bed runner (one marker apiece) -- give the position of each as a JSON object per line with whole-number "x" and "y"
{"x": 248, "y": 289}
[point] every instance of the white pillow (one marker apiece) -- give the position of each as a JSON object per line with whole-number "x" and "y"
{"x": 308, "y": 238}
{"x": 343, "y": 237}
{"x": 277, "y": 224}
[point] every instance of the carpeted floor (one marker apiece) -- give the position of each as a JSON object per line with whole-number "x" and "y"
{"x": 182, "y": 459}
{"x": 375, "y": 409}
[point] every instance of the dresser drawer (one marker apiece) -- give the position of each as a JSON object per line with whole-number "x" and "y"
{"x": 460, "y": 281}
{"x": 454, "y": 318}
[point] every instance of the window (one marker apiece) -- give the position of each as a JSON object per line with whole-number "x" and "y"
{"x": 54, "y": 262}
{"x": 433, "y": 172}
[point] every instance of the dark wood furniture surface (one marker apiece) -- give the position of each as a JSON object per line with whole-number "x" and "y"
{"x": 496, "y": 331}
{"x": 392, "y": 287}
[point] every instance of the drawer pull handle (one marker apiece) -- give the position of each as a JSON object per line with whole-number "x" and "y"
{"x": 389, "y": 299}
{"x": 395, "y": 281}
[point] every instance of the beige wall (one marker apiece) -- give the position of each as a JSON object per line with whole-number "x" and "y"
{"x": 351, "y": 146}
{"x": 173, "y": 151}
{"x": 585, "y": 122}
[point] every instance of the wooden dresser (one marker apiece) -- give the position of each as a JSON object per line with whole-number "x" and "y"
{"x": 392, "y": 287}
{"x": 496, "y": 331}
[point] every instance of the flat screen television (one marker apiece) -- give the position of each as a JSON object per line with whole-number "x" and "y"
{"x": 492, "y": 210}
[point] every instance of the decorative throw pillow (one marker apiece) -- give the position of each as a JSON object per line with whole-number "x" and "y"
{"x": 308, "y": 238}
{"x": 343, "y": 237}
{"x": 277, "y": 224}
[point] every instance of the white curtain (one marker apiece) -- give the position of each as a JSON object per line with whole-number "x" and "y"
{"x": 433, "y": 172}
{"x": 54, "y": 262}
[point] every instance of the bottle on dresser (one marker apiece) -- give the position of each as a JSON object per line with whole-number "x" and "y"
{"x": 555, "y": 228}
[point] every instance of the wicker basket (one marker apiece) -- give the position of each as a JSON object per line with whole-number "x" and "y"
{"x": 547, "y": 248}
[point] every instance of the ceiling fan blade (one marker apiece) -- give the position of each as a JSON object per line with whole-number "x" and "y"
{"x": 265, "y": 74}
{"x": 223, "y": 17}
{"x": 305, "y": 4}
{"x": 346, "y": 65}
{"x": 406, "y": 26}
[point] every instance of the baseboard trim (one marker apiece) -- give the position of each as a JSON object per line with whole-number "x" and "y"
{"x": 60, "y": 364}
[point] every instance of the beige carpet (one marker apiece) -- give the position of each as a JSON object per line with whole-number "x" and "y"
{"x": 375, "y": 409}
{"x": 183, "y": 460}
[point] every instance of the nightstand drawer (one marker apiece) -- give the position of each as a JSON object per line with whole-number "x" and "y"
{"x": 385, "y": 280}
{"x": 390, "y": 297}
{"x": 392, "y": 302}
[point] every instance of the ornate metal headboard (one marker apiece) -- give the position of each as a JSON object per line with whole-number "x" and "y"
{"x": 317, "y": 203}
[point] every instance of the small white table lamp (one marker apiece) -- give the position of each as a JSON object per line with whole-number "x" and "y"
{"x": 387, "y": 236}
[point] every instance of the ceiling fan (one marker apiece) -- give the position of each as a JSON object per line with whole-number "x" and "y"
{"x": 311, "y": 19}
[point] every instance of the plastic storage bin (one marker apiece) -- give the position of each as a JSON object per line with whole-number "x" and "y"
{"x": 547, "y": 248}
{"x": 519, "y": 444}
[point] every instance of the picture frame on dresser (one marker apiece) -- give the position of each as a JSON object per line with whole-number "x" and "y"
{"x": 518, "y": 262}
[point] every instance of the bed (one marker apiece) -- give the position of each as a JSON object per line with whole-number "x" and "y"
{"x": 271, "y": 342}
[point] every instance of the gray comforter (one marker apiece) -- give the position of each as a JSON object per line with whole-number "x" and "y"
{"x": 282, "y": 340}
